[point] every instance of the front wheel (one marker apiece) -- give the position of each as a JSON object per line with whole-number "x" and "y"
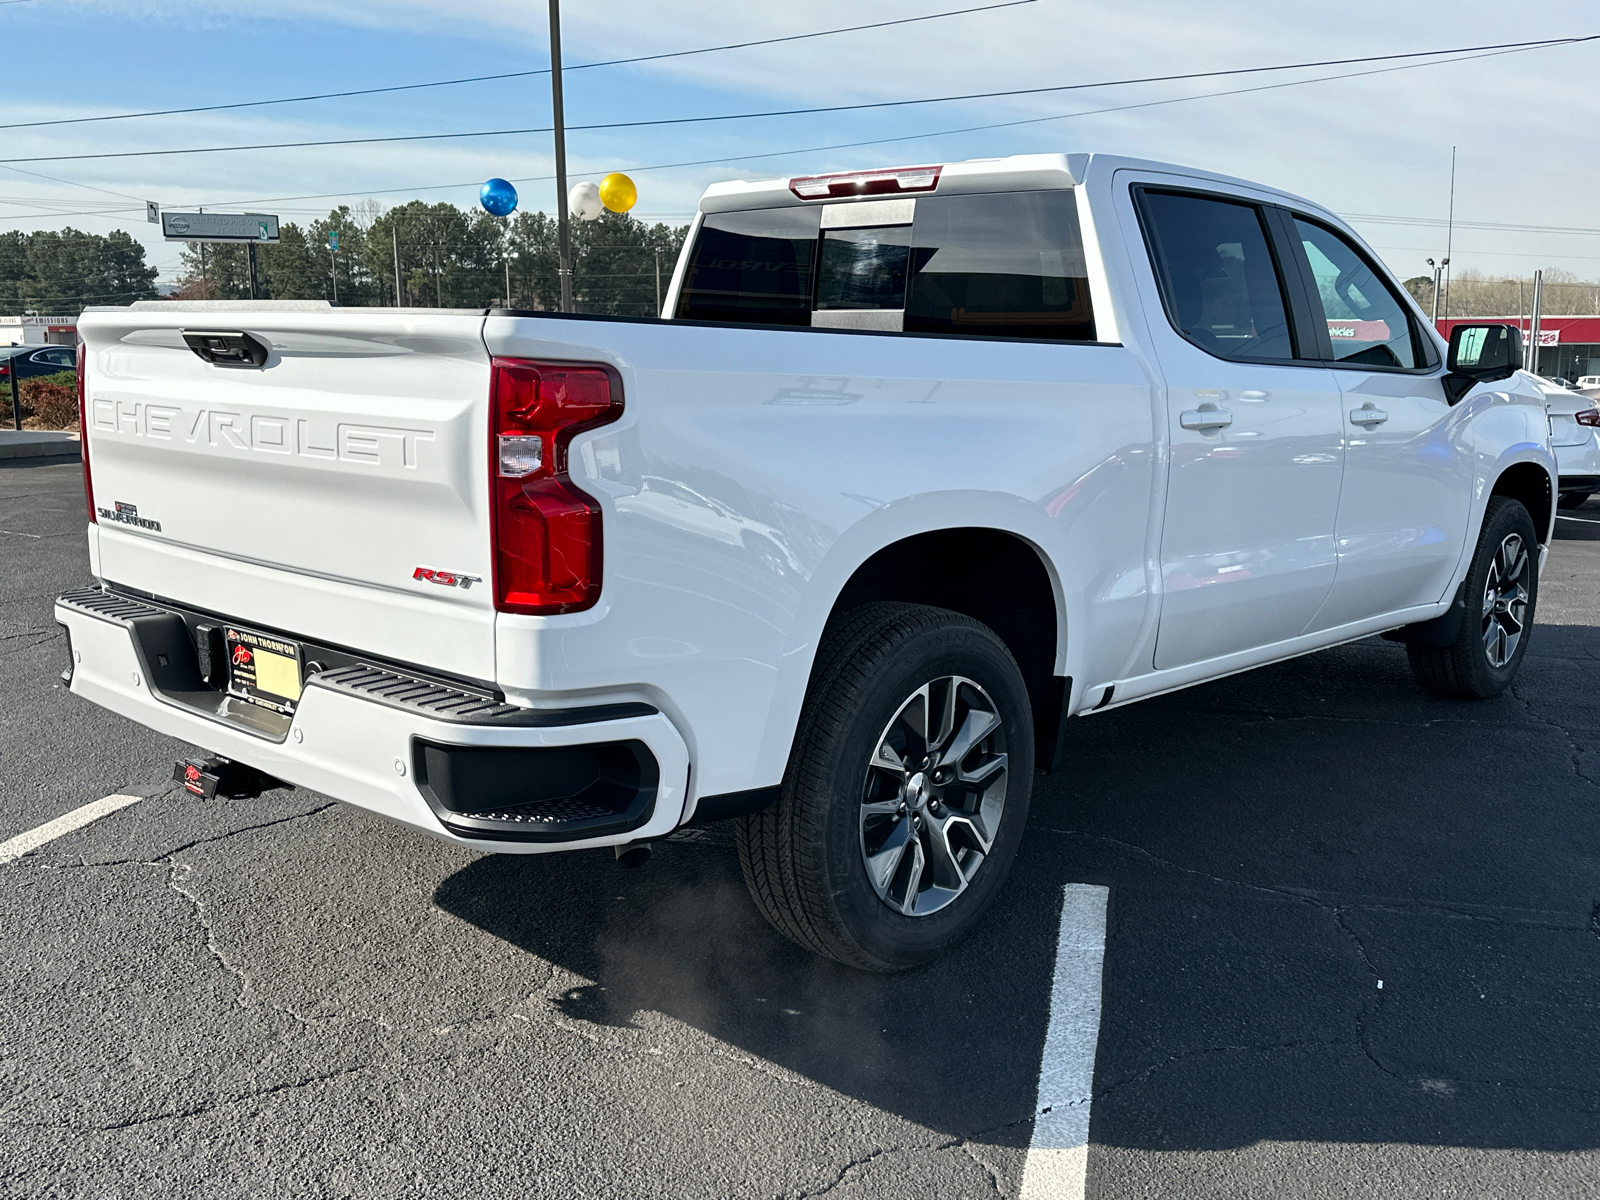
{"x": 1502, "y": 589}
{"x": 906, "y": 792}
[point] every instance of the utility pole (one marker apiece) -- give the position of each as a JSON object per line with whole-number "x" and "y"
{"x": 1437, "y": 272}
{"x": 399, "y": 297}
{"x": 658, "y": 281}
{"x": 559, "y": 121}
{"x": 1533, "y": 325}
{"x": 1450, "y": 232}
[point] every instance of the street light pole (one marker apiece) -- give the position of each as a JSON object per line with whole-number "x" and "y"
{"x": 559, "y": 121}
{"x": 394, "y": 232}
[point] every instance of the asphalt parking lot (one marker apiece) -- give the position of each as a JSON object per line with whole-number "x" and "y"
{"x": 282, "y": 996}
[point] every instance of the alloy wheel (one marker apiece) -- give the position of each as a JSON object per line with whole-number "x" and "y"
{"x": 933, "y": 796}
{"x": 1505, "y": 600}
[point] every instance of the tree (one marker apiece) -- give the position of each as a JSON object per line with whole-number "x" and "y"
{"x": 449, "y": 257}
{"x": 62, "y": 271}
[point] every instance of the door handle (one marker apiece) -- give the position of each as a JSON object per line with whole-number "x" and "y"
{"x": 1205, "y": 418}
{"x": 1368, "y": 415}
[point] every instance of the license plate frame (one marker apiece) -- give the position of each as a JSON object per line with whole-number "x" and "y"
{"x": 264, "y": 669}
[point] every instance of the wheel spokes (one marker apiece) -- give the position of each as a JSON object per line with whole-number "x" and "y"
{"x": 977, "y": 726}
{"x": 933, "y": 795}
{"x": 908, "y": 902}
{"x": 885, "y": 864}
{"x": 983, "y": 772}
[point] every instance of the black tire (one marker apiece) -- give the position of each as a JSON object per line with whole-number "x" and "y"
{"x": 1468, "y": 668}
{"x": 805, "y": 858}
{"x": 1573, "y": 499}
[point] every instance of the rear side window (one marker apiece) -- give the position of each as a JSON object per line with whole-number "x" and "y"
{"x": 1004, "y": 264}
{"x": 1367, "y": 324}
{"x": 752, "y": 267}
{"x": 1219, "y": 282}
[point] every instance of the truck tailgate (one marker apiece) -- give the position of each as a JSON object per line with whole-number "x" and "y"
{"x": 302, "y": 495}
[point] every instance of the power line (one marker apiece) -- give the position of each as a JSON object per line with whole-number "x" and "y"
{"x": 910, "y": 137}
{"x": 615, "y": 62}
{"x": 1474, "y": 51}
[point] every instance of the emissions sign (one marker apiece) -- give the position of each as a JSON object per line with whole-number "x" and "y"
{"x": 219, "y": 227}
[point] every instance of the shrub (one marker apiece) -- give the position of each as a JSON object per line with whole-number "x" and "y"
{"x": 45, "y": 405}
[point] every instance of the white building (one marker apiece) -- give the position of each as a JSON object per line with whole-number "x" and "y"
{"x": 35, "y": 330}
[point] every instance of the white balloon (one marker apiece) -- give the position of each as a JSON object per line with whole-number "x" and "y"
{"x": 584, "y": 201}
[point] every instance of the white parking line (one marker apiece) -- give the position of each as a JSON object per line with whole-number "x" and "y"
{"x": 24, "y": 843}
{"x": 1580, "y": 520}
{"x": 1058, "y": 1156}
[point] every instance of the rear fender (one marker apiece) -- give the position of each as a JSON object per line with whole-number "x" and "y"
{"x": 926, "y": 513}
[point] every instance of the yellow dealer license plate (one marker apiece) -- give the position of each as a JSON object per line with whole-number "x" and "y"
{"x": 263, "y": 669}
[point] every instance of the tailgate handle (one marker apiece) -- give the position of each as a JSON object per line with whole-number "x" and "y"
{"x": 224, "y": 348}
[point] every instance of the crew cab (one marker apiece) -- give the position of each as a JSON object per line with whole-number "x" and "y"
{"x": 919, "y": 464}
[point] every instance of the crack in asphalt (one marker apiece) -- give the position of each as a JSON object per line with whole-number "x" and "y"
{"x": 1367, "y": 1010}
{"x": 1573, "y": 751}
{"x": 1364, "y": 1013}
{"x": 175, "y": 882}
{"x": 1454, "y": 909}
{"x": 1101, "y": 1093}
{"x": 201, "y": 1110}
{"x": 856, "y": 1164}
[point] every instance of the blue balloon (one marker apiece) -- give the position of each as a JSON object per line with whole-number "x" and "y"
{"x": 498, "y": 197}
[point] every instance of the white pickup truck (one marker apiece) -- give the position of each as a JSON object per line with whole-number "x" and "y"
{"x": 922, "y": 462}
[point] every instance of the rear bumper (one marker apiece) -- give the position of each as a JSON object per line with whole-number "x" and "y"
{"x": 1579, "y": 466}
{"x": 405, "y": 749}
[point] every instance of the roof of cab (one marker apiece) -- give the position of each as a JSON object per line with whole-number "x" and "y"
{"x": 1018, "y": 172}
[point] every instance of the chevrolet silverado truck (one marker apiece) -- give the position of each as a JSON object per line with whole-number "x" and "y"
{"x": 918, "y": 464}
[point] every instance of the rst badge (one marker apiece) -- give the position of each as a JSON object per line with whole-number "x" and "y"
{"x": 446, "y": 578}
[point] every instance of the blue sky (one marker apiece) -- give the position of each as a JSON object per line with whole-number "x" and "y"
{"x": 1528, "y": 125}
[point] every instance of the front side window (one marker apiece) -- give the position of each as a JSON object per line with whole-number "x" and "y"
{"x": 752, "y": 267}
{"x": 1001, "y": 264}
{"x": 1219, "y": 283}
{"x": 1367, "y": 324}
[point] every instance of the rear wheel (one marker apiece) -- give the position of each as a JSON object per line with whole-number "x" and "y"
{"x": 1502, "y": 590}
{"x": 906, "y": 792}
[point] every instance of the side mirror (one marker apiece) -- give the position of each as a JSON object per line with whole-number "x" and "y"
{"x": 1481, "y": 354}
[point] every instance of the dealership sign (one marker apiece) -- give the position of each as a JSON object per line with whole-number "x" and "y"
{"x": 219, "y": 227}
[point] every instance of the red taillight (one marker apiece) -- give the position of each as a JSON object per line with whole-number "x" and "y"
{"x": 546, "y": 532}
{"x": 83, "y": 434}
{"x": 1588, "y": 416}
{"x": 895, "y": 182}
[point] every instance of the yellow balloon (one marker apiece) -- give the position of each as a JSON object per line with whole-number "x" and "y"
{"x": 618, "y": 193}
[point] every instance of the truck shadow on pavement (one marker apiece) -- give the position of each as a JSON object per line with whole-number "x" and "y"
{"x": 1276, "y": 843}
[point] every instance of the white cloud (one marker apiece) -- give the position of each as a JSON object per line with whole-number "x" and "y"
{"x": 1525, "y": 124}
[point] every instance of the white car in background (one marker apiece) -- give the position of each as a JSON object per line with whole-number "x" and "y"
{"x": 1575, "y": 436}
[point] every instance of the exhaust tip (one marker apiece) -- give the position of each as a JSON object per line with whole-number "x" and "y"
{"x": 634, "y": 854}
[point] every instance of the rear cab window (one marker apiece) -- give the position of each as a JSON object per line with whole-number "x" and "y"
{"x": 753, "y": 267}
{"x": 987, "y": 265}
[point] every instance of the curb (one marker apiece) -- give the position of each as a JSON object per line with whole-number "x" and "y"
{"x": 38, "y": 444}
